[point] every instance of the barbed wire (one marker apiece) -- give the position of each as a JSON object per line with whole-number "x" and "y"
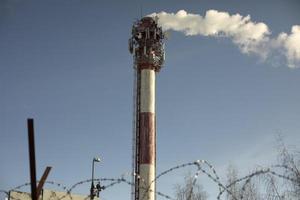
{"x": 257, "y": 173}
{"x": 15, "y": 189}
{"x": 116, "y": 181}
{"x": 199, "y": 164}
{"x": 196, "y": 163}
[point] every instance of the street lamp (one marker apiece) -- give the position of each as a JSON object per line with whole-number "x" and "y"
{"x": 94, "y": 190}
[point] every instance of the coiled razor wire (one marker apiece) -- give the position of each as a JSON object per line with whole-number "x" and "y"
{"x": 211, "y": 174}
{"x": 248, "y": 178}
{"x": 196, "y": 163}
{"x": 115, "y": 181}
{"x": 59, "y": 185}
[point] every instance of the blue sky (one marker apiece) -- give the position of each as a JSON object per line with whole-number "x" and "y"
{"x": 67, "y": 65}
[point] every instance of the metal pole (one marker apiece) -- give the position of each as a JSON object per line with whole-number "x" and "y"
{"x": 93, "y": 171}
{"x": 32, "y": 158}
{"x": 92, "y": 184}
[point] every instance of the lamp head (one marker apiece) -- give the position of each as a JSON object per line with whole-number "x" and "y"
{"x": 97, "y": 160}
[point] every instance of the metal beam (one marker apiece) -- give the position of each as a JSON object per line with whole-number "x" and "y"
{"x": 42, "y": 181}
{"x": 32, "y": 158}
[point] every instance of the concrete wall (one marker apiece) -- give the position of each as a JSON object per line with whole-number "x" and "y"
{"x": 48, "y": 195}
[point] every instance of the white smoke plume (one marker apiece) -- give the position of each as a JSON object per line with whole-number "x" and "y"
{"x": 251, "y": 37}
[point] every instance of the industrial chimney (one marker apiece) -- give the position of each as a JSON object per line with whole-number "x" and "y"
{"x": 147, "y": 47}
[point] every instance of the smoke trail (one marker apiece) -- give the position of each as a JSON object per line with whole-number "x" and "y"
{"x": 251, "y": 37}
{"x": 291, "y": 45}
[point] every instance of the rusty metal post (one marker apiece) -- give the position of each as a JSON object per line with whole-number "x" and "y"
{"x": 35, "y": 190}
{"x": 32, "y": 165}
{"x": 42, "y": 181}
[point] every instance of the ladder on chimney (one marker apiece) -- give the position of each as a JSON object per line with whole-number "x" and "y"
{"x": 136, "y": 135}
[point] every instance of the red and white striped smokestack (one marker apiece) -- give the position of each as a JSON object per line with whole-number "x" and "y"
{"x": 147, "y": 47}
